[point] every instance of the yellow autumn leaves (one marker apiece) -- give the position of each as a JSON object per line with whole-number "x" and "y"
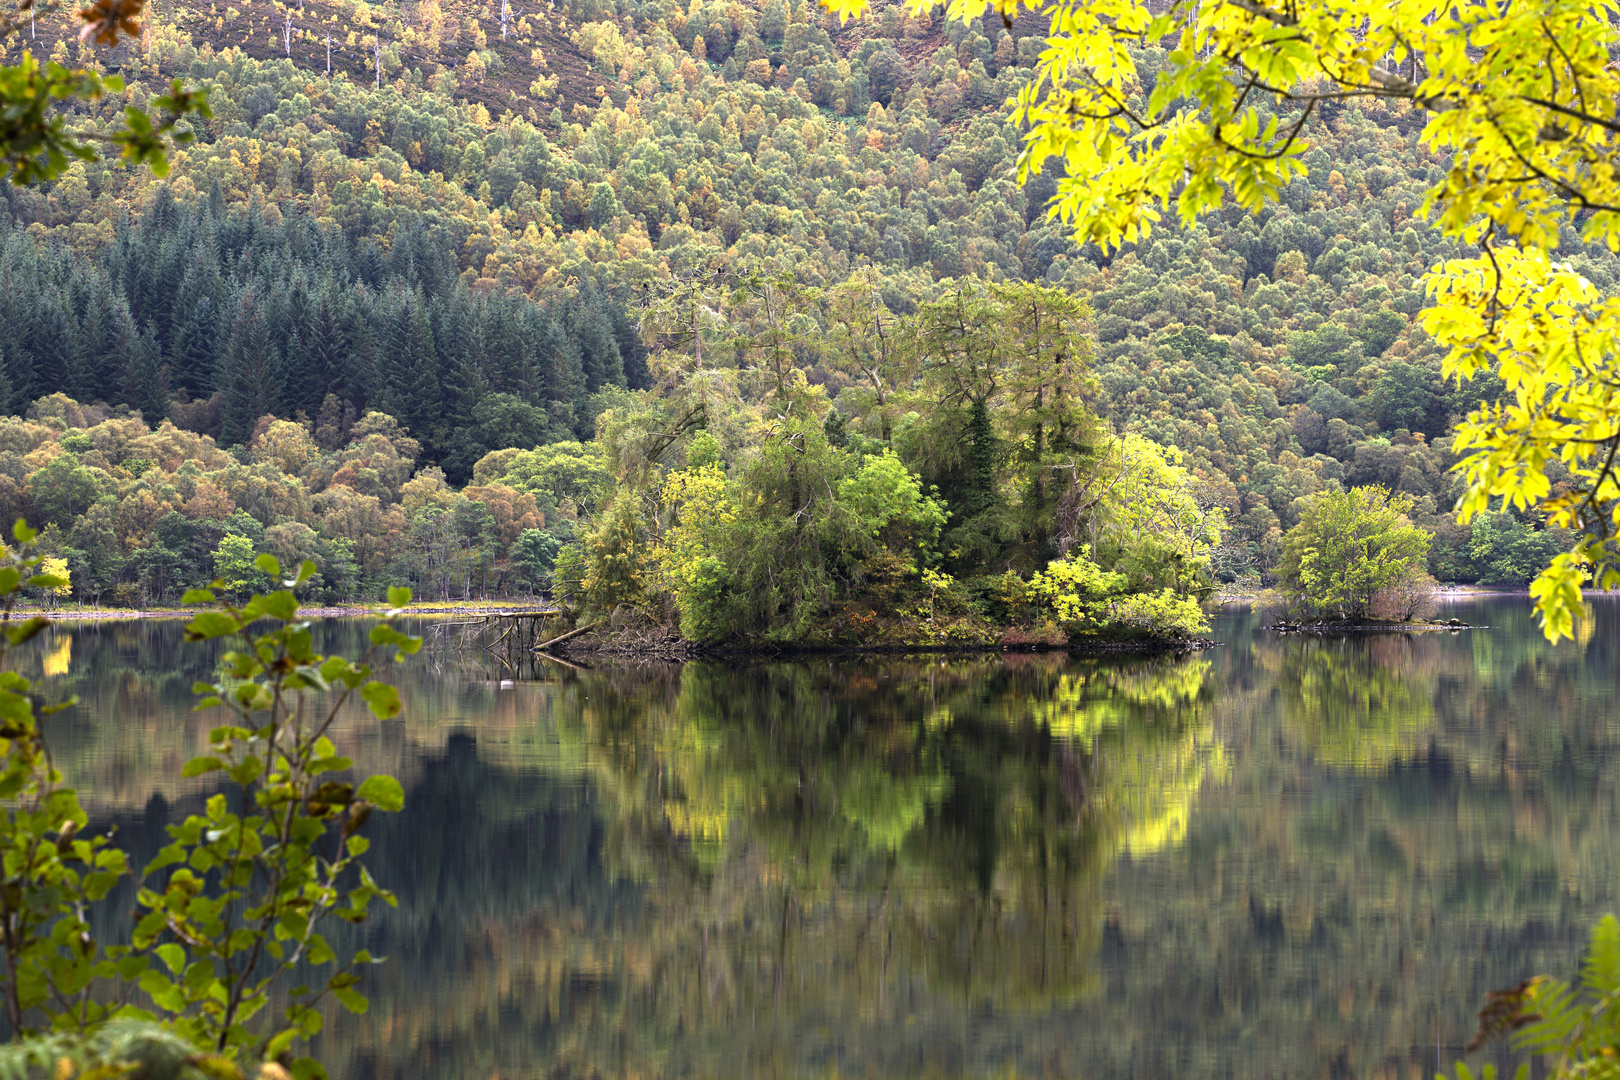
{"x": 1515, "y": 95}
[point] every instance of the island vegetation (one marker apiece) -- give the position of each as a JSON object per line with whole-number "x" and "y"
{"x": 1356, "y": 555}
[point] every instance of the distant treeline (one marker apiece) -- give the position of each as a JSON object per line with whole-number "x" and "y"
{"x": 217, "y": 317}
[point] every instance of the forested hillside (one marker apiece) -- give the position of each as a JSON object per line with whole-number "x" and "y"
{"x": 275, "y": 316}
{"x": 484, "y": 247}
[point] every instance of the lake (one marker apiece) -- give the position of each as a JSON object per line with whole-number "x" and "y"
{"x": 1282, "y": 857}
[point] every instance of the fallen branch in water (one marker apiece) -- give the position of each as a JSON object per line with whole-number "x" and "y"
{"x": 564, "y": 637}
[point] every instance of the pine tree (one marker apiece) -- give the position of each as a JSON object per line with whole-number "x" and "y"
{"x": 54, "y": 343}
{"x": 248, "y": 371}
{"x": 599, "y": 349}
{"x": 418, "y": 392}
{"x": 562, "y": 370}
{"x": 21, "y": 308}
{"x": 193, "y": 353}
{"x": 7, "y": 387}
{"x": 146, "y": 380}
{"x": 368, "y": 264}
{"x": 193, "y": 345}
{"x": 101, "y": 355}
{"x": 325, "y": 346}
{"x": 632, "y": 348}
{"x": 358, "y": 375}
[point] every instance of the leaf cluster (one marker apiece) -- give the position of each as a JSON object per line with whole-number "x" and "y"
{"x": 235, "y": 903}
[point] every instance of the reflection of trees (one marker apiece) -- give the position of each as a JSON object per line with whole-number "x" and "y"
{"x": 1357, "y": 701}
{"x": 133, "y": 727}
{"x": 1328, "y": 920}
{"x": 869, "y": 868}
{"x": 1144, "y": 725}
{"x": 705, "y": 869}
{"x": 930, "y": 834}
{"x": 861, "y": 842}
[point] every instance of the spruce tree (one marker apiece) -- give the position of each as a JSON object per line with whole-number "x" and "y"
{"x": 325, "y": 347}
{"x": 360, "y": 362}
{"x": 599, "y": 349}
{"x": 7, "y": 387}
{"x": 562, "y": 370}
{"x": 101, "y": 363}
{"x": 54, "y": 343}
{"x": 248, "y": 371}
{"x": 420, "y": 396}
{"x": 146, "y": 380}
{"x": 632, "y": 349}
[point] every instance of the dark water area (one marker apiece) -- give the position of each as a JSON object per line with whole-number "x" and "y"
{"x": 1283, "y": 857}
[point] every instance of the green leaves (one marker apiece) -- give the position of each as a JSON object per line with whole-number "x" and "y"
{"x": 1347, "y": 548}
{"x": 381, "y": 699}
{"x": 172, "y": 955}
{"x": 1507, "y": 93}
{"x": 277, "y": 605}
{"x": 36, "y": 143}
{"x": 208, "y": 625}
{"x": 54, "y": 874}
{"x": 384, "y": 634}
{"x": 383, "y": 792}
{"x": 235, "y": 900}
{"x": 26, "y": 630}
{"x": 279, "y": 869}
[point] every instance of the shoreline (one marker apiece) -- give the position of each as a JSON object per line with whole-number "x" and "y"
{"x": 333, "y": 612}
{"x": 1141, "y": 647}
{"x": 1448, "y": 592}
{"x": 674, "y": 651}
{"x": 1371, "y": 628}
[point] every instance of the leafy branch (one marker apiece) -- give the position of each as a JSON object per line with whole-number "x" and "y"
{"x": 285, "y": 863}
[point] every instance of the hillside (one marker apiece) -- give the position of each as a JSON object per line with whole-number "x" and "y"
{"x": 489, "y": 228}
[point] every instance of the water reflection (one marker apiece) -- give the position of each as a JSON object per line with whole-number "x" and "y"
{"x": 1287, "y": 856}
{"x": 850, "y": 844}
{"x": 1359, "y": 702}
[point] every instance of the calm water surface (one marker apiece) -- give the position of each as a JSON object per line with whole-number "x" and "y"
{"x": 1284, "y": 857}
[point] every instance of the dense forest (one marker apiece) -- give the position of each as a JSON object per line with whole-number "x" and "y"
{"x": 438, "y": 339}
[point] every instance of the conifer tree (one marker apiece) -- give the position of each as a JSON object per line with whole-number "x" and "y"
{"x": 249, "y": 373}
{"x": 599, "y": 349}
{"x": 325, "y": 342}
{"x": 146, "y": 378}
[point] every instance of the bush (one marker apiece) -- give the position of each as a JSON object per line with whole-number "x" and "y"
{"x": 1413, "y": 595}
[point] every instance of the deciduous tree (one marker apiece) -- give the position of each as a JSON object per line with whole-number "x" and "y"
{"x": 1347, "y": 547}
